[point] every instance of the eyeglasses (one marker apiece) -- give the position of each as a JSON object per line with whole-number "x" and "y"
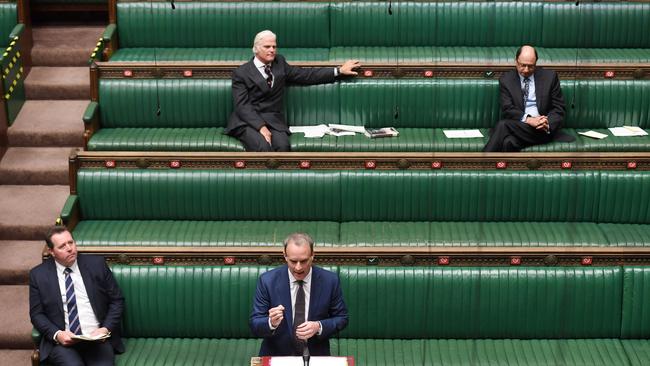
{"x": 525, "y": 66}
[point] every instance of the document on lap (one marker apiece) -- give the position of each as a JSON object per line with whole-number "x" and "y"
{"x": 89, "y": 338}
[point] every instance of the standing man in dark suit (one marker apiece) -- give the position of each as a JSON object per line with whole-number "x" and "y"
{"x": 532, "y": 106}
{"x": 70, "y": 295}
{"x": 298, "y": 307}
{"x": 258, "y": 89}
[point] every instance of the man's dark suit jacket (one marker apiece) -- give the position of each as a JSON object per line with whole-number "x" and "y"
{"x": 46, "y": 305}
{"x": 550, "y": 101}
{"x": 256, "y": 105}
{"x": 325, "y": 305}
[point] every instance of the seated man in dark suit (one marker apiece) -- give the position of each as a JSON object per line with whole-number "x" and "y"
{"x": 258, "y": 89}
{"x": 70, "y": 295}
{"x": 532, "y": 106}
{"x": 283, "y": 314}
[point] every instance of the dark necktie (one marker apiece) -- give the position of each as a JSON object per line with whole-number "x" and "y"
{"x": 526, "y": 90}
{"x": 71, "y": 303}
{"x": 269, "y": 75}
{"x": 299, "y": 315}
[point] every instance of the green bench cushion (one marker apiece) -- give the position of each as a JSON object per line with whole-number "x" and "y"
{"x": 543, "y": 303}
{"x": 625, "y": 235}
{"x": 218, "y": 24}
{"x": 162, "y": 233}
{"x": 134, "y": 233}
{"x": 517, "y": 234}
{"x": 215, "y": 301}
{"x": 363, "y": 207}
{"x": 480, "y": 32}
{"x": 187, "y": 351}
{"x": 8, "y": 20}
{"x": 163, "y": 139}
{"x": 142, "y": 54}
{"x": 391, "y": 55}
{"x": 438, "y": 316}
{"x": 194, "y": 111}
{"x": 637, "y": 351}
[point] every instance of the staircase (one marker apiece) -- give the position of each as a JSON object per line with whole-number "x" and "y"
{"x": 34, "y": 171}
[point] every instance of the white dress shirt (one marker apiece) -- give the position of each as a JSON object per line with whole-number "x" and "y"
{"x": 530, "y": 105}
{"x": 293, "y": 289}
{"x": 87, "y": 318}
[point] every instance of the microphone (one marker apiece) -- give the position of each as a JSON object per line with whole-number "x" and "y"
{"x": 305, "y": 355}
{"x": 390, "y": 8}
{"x": 173, "y": 5}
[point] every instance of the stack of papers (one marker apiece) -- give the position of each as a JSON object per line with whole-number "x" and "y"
{"x": 628, "y": 131}
{"x": 462, "y": 134}
{"x": 334, "y": 129}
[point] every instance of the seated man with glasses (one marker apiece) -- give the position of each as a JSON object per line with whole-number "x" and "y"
{"x": 532, "y": 106}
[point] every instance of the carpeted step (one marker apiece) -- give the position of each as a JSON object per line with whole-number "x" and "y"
{"x": 64, "y": 45}
{"x": 28, "y": 211}
{"x": 46, "y": 82}
{"x": 49, "y": 123}
{"x": 17, "y": 357}
{"x": 16, "y": 259}
{"x": 14, "y": 322}
{"x": 35, "y": 165}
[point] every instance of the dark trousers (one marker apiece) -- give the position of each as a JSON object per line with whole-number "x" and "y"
{"x": 512, "y": 135}
{"x": 254, "y": 141}
{"x": 83, "y": 353}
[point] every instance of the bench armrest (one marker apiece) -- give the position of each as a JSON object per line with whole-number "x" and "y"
{"x": 69, "y": 208}
{"x": 36, "y": 336}
{"x": 109, "y": 32}
{"x": 91, "y": 112}
{"x": 17, "y": 31}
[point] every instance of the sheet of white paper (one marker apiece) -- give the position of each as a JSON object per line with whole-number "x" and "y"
{"x": 462, "y": 134}
{"x": 91, "y": 338}
{"x": 357, "y": 129}
{"x": 313, "y": 361}
{"x": 310, "y": 131}
{"x": 627, "y": 131}
{"x": 341, "y": 133}
{"x": 593, "y": 134}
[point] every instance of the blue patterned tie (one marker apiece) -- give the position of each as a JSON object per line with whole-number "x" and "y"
{"x": 71, "y": 303}
{"x": 526, "y": 90}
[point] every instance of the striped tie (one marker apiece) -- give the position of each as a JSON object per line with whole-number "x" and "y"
{"x": 71, "y": 303}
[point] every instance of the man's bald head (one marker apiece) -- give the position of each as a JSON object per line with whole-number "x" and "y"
{"x": 526, "y": 59}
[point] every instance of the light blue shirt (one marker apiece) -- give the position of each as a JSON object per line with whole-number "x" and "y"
{"x": 530, "y": 105}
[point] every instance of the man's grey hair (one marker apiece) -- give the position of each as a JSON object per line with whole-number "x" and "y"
{"x": 260, "y": 36}
{"x": 299, "y": 239}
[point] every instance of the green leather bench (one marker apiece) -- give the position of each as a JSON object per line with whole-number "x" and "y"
{"x": 11, "y": 60}
{"x": 350, "y": 208}
{"x": 193, "y": 113}
{"x": 475, "y": 32}
{"x": 402, "y": 316}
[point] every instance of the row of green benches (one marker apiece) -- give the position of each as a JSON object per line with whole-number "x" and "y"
{"x": 186, "y": 209}
{"x": 193, "y": 113}
{"x": 402, "y": 316}
{"x": 381, "y": 31}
